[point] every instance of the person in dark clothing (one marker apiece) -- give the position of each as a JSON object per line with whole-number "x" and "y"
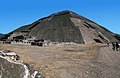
{"x": 108, "y": 44}
{"x": 17, "y": 57}
{"x": 113, "y": 46}
{"x": 117, "y": 46}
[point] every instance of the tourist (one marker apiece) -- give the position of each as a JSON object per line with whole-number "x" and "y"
{"x": 113, "y": 46}
{"x": 117, "y": 46}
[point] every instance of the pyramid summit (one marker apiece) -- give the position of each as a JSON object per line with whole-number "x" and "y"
{"x": 65, "y": 26}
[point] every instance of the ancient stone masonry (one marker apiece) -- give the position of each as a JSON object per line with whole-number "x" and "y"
{"x": 63, "y": 27}
{"x": 10, "y": 62}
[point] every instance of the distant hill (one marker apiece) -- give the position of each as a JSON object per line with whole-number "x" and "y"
{"x": 65, "y": 26}
{"x": 1, "y": 35}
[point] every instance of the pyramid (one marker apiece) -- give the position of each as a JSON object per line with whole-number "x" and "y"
{"x": 66, "y": 26}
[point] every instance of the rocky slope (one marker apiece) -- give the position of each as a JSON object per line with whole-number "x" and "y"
{"x": 12, "y": 67}
{"x": 117, "y": 36}
{"x": 10, "y": 70}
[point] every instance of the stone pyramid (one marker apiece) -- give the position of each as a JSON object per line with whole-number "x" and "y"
{"x": 66, "y": 26}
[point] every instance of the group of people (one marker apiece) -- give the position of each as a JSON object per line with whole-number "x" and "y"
{"x": 115, "y": 46}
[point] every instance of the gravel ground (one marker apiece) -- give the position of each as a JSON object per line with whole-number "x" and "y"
{"x": 75, "y": 61}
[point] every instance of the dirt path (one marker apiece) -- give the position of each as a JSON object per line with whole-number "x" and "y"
{"x": 111, "y": 58}
{"x": 105, "y": 65}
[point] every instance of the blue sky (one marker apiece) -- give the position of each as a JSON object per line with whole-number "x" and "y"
{"x": 16, "y": 13}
